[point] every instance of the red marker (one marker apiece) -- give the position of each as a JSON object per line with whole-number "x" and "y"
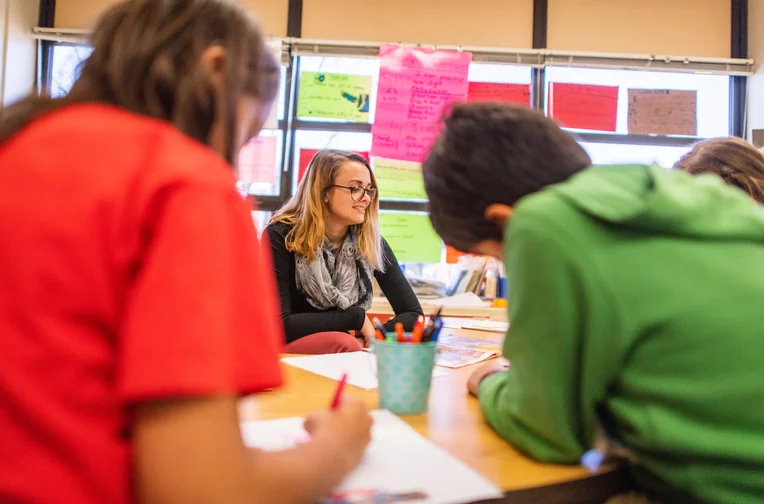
{"x": 338, "y": 392}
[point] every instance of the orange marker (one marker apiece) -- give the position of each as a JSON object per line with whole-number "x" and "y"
{"x": 416, "y": 334}
{"x": 379, "y": 335}
{"x": 399, "y": 334}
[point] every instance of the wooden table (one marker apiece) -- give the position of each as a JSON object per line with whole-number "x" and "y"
{"x": 454, "y": 422}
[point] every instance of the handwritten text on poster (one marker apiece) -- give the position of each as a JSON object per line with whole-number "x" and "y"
{"x": 334, "y": 96}
{"x": 663, "y": 112}
{"x": 415, "y": 86}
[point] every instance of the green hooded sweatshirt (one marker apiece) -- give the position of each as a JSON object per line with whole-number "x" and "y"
{"x": 638, "y": 291}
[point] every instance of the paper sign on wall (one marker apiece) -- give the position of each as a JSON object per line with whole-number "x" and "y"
{"x": 399, "y": 179}
{"x": 584, "y": 106}
{"x": 274, "y": 47}
{"x": 411, "y": 237}
{"x": 257, "y": 160}
{"x": 334, "y": 96}
{"x": 306, "y": 155}
{"x": 415, "y": 86}
{"x": 663, "y": 112}
{"x": 492, "y": 91}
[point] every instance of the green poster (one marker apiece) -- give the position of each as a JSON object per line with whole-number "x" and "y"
{"x": 334, "y": 96}
{"x": 411, "y": 237}
{"x": 399, "y": 179}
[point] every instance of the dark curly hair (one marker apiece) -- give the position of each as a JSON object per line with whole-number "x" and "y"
{"x": 492, "y": 153}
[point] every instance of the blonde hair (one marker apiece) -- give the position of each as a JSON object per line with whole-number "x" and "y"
{"x": 306, "y": 212}
{"x": 737, "y": 162}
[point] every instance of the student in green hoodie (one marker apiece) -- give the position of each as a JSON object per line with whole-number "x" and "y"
{"x": 635, "y": 303}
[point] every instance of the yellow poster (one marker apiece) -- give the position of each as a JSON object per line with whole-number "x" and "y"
{"x": 334, "y": 96}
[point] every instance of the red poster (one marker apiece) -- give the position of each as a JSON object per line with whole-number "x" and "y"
{"x": 307, "y": 154}
{"x": 584, "y": 106}
{"x": 491, "y": 91}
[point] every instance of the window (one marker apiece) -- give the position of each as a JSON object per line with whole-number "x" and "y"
{"x": 65, "y": 67}
{"x": 275, "y": 157}
{"x": 713, "y": 113}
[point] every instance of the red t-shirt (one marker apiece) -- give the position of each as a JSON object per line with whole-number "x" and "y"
{"x": 129, "y": 270}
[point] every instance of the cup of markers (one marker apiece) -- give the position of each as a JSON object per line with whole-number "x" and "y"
{"x": 404, "y": 365}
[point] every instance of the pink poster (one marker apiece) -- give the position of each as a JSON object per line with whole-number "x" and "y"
{"x": 415, "y": 86}
{"x": 257, "y": 160}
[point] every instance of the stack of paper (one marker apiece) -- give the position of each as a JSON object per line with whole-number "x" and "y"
{"x": 399, "y": 465}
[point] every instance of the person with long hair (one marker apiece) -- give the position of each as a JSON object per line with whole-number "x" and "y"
{"x": 634, "y": 306}
{"x": 736, "y": 161}
{"x": 137, "y": 304}
{"x": 327, "y": 249}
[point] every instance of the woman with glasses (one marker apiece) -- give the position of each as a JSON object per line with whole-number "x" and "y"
{"x": 326, "y": 249}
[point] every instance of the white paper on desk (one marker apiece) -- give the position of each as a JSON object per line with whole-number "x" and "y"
{"x": 466, "y": 300}
{"x": 361, "y": 367}
{"x": 398, "y": 461}
{"x": 486, "y": 325}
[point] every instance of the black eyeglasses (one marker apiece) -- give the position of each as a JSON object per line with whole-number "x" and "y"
{"x": 356, "y": 193}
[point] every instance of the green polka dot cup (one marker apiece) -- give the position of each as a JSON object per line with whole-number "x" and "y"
{"x": 404, "y": 371}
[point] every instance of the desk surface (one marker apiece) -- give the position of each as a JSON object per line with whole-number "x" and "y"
{"x": 453, "y": 422}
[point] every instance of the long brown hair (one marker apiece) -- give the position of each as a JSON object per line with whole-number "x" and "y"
{"x": 147, "y": 59}
{"x": 736, "y": 161}
{"x": 306, "y": 211}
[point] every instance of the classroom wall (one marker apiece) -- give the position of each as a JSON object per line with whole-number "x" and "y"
{"x": 18, "y": 63}
{"x": 81, "y": 14}
{"x": 756, "y": 51}
{"x": 490, "y": 23}
{"x": 666, "y": 27}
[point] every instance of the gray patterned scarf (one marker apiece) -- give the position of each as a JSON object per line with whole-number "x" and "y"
{"x": 337, "y": 277}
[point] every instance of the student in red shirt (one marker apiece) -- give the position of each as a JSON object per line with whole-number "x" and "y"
{"x": 135, "y": 302}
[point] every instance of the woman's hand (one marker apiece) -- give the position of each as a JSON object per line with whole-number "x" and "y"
{"x": 490, "y": 367}
{"x": 367, "y": 331}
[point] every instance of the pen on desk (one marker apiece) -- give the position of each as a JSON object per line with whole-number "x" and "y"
{"x": 338, "y": 392}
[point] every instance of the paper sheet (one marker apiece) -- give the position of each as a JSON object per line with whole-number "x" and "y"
{"x": 361, "y": 367}
{"x": 492, "y": 91}
{"x": 415, "y": 86}
{"x": 663, "y": 112}
{"x": 411, "y": 237}
{"x": 399, "y": 179}
{"x": 465, "y": 300}
{"x": 584, "y": 106}
{"x": 257, "y": 160}
{"x": 487, "y": 325}
{"x": 334, "y": 96}
{"x": 399, "y": 465}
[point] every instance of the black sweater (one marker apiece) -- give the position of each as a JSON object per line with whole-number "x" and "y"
{"x": 301, "y": 318}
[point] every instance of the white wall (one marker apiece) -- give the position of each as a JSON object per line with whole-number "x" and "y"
{"x": 18, "y": 50}
{"x": 756, "y": 51}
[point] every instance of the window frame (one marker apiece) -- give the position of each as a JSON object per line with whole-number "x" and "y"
{"x": 291, "y": 124}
